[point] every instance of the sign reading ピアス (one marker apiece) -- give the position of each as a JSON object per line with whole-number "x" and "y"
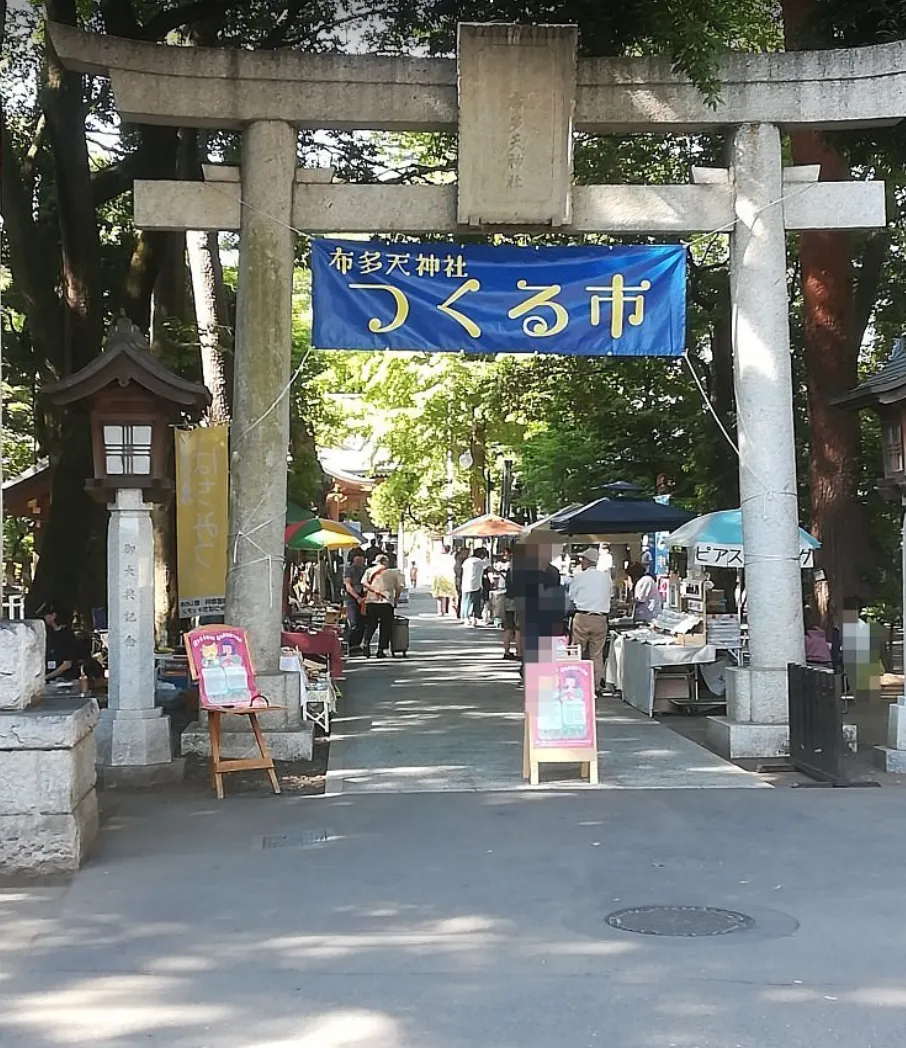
{"x": 578, "y": 301}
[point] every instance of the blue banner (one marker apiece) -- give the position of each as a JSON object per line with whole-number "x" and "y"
{"x": 661, "y": 549}
{"x": 585, "y": 301}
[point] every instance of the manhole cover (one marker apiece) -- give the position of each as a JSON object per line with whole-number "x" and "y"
{"x": 308, "y": 839}
{"x": 681, "y": 921}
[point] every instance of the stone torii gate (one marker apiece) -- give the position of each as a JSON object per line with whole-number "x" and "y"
{"x": 514, "y": 95}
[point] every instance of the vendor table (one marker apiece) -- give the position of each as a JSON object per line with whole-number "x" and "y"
{"x": 632, "y": 663}
{"x": 326, "y": 643}
{"x": 319, "y": 703}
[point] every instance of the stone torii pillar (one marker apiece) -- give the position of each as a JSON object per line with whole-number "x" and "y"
{"x": 757, "y": 720}
{"x": 514, "y": 95}
{"x": 259, "y": 434}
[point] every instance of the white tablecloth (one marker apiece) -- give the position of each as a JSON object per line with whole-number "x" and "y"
{"x": 632, "y": 661}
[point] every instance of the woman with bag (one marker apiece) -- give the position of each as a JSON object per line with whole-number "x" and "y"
{"x": 382, "y": 585}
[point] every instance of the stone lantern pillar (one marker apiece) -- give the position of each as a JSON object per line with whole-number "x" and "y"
{"x": 132, "y": 400}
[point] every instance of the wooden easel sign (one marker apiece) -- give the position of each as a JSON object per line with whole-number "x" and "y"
{"x": 223, "y": 665}
{"x": 220, "y": 661}
{"x": 560, "y": 723}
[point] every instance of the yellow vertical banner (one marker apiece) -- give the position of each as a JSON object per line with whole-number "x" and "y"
{"x": 202, "y": 519}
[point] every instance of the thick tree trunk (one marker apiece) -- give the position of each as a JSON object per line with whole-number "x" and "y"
{"x": 168, "y": 314}
{"x": 831, "y": 367}
{"x": 722, "y": 396}
{"x": 71, "y": 567}
{"x": 166, "y": 600}
{"x": 65, "y": 569}
{"x": 211, "y": 318}
{"x": 168, "y": 302}
{"x": 831, "y": 360}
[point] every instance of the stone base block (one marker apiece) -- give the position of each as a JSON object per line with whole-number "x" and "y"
{"x": 43, "y": 845}
{"x": 135, "y": 738}
{"x": 22, "y": 665}
{"x": 48, "y": 803}
{"x": 34, "y": 782}
{"x": 896, "y": 725}
{"x": 890, "y": 760}
{"x": 757, "y": 695}
{"x": 735, "y": 739}
{"x": 142, "y": 776}
{"x": 283, "y": 745}
{"x": 57, "y": 724}
{"x": 739, "y": 694}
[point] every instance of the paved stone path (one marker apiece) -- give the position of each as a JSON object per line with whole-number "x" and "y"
{"x": 449, "y": 717}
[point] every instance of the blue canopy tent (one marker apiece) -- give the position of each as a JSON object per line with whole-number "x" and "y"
{"x": 723, "y": 531}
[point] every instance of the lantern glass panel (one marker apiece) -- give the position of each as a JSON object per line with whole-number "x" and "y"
{"x": 127, "y": 450}
{"x": 893, "y": 448}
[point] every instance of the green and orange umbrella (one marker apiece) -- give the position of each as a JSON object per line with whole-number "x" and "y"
{"x": 305, "y": 530}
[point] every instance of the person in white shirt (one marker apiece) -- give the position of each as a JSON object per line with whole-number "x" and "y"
{"x": 590, "y": 593}
{"x": 605, "y": 561}
{"x": 646, "y": 595}
{"x": 382, "y": 585}
{"x": 472, "y": 577}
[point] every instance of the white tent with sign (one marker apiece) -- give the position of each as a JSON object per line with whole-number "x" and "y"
{"x": 716, "y": 539}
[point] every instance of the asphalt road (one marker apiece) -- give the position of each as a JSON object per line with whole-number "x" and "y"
{"x": 464, "y": 919}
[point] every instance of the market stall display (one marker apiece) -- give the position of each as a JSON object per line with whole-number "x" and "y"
{"x": 654, "y": 671}
{"x": 700, "y": 632}
{"x": 325, "y": 643}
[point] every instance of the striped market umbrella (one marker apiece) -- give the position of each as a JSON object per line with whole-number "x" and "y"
{"x": 488, "y": 526}
{"x": 320, "y": 533}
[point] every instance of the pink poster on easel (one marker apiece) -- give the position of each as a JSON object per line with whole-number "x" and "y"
{"x": 560, "y": 704}
{"x": 221, "y": 660}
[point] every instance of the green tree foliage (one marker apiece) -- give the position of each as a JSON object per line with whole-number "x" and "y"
{"x": 419, "y": 407}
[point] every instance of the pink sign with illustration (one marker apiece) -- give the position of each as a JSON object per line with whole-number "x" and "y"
{"x": 220, "y": 660}
{"x": 560, "y": 701}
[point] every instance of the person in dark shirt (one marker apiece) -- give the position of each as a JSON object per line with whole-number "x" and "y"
{"x": 354, "y": 596}
{"x": 509, "y": 606}
{"x": 540, "y": 602}
{"x": 459, "y": 559}
{"x": 61, "y": 656}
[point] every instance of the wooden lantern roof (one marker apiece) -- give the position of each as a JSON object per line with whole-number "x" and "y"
{"x": 126, "y": 358}
{"x": 885, "y": 388}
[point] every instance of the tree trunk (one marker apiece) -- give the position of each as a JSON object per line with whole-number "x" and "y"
{"x": 168, "y": 314}
{"x": 725, "y": 470}
{"x": 168, "y": 302}
{"x": 831, "y": 357}
{"x": 65, "y": 569}
{"x": 477, "y": 480}
{"x": 831, "y": 368}
{"x": 140, "y": 280}
{"x": 71, "y": 570}
{"x": 211, "y": 317}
